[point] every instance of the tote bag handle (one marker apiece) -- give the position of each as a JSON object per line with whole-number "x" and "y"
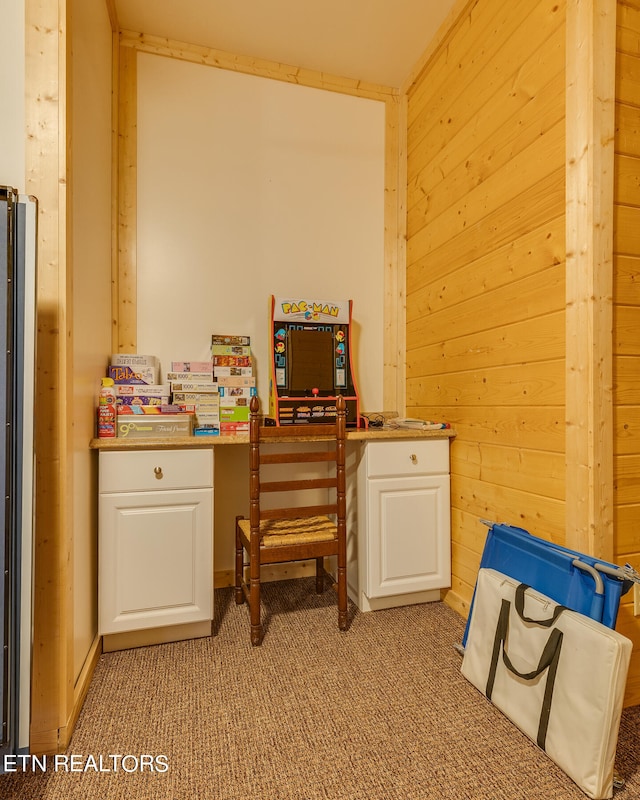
{"x": 549, "y": 660}
{"x": 545, "y": 623}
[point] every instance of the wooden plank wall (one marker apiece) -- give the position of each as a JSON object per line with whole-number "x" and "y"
{"x": 626, "y": 318}
{"x": 486, "y": 268}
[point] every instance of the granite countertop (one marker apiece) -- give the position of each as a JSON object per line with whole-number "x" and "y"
{"x": 386, "y": 432}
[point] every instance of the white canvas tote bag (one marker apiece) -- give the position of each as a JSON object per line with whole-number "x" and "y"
{"x": 558, "y": 675}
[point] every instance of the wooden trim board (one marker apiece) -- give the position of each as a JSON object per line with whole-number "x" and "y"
{"x": 590, "y": 128}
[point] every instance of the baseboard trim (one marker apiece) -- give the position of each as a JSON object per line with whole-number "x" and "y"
{"x": 454, "y": 601}
{"x": 57, "y": 740}
{"x": 80, "y": 690}
{"x": 273, "y": 572}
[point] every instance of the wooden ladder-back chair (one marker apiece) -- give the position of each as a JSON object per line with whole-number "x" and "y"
{"x": 273, "y": 535}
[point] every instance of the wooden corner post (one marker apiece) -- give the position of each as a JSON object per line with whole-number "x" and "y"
{"x": 590, "y": 128}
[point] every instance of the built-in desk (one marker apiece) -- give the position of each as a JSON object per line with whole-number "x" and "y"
{"x": 156, "y": 504}
{"x": 297, "y": 435}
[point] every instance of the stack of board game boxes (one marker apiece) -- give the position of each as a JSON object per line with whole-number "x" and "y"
{"x": 194, "y": 390}
{"x": 142, "y": 402}
{"x": 136, "y": 380}
{"x": 233, "y": 372}
{"x": 203, "y": 398}
{"x": 217, "y": 392}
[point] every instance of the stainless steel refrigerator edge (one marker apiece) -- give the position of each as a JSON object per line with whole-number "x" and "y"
{"x": 18, "y": 224}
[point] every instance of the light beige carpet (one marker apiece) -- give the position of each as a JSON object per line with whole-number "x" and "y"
{"x": 379, "y": 712}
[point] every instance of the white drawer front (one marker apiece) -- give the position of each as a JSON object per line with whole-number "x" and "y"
{"x": 149, "y": 470}
{"x": 408, "y": 457}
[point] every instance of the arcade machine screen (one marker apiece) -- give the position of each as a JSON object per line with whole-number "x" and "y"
{"x": 311, "y": 362}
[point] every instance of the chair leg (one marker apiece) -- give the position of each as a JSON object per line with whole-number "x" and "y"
{"x": 320, "y": 575}
{"x": 343, "y": 622}
{"x": 254, "y": 590}
{"x": 254, "y": 612}
{"x": 239, "y": 565}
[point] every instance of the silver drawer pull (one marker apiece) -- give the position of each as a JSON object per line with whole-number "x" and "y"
{"x": 414, "y": 458}
{"x": 157, "y": 471}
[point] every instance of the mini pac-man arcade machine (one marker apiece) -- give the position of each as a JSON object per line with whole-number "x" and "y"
{"x": 311, "y": 361}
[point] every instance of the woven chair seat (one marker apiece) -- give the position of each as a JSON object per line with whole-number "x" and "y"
{"x": 276, "y": 532}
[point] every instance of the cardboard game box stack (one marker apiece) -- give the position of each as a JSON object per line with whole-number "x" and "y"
{"x": 136, "y": 379}
{"x": 142, "y": 402}
{"x": 234, "y": 375}
{"x": 203, "y": 398}
{"x": 194, "y": 390}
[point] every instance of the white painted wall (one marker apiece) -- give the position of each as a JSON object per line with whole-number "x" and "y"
{"x": 249, "y": 187}
{"x": 12, "y": 86}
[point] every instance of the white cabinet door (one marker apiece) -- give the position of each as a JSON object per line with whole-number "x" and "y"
{"x": 399, "y": 530}
{"x": 155, "y": 559}
{"x": 408, "y": 548}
